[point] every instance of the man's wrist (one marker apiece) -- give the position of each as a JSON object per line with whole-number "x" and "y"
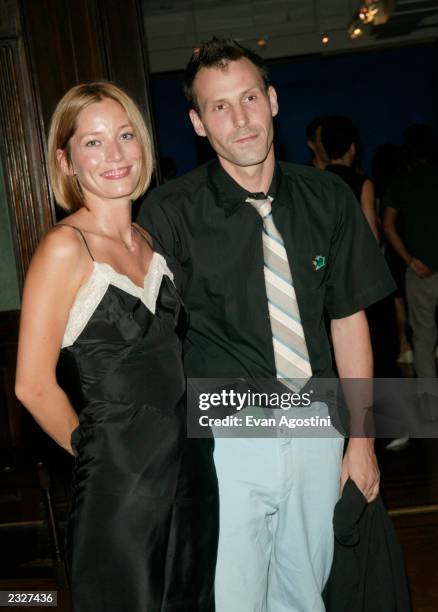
{"x": 361, "y": 442}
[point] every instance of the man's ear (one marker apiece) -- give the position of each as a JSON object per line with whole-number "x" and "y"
{"x": 64, "y": 164}
{"x": 198, "y": 126}
{"x": 272, "y": 95}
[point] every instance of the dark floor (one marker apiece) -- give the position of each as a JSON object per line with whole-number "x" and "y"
{"x": 410, "y": 491}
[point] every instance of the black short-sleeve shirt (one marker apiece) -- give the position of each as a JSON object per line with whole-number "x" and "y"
{"x": 415, "y": 197}
{"x": 202, "y": 221}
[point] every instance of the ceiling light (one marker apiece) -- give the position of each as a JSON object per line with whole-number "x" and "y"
{"x": 355, "y": 30}
{"x": 367, "y": 14}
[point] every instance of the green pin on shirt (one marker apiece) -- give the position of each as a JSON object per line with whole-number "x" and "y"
{"x": 318, "y": 262}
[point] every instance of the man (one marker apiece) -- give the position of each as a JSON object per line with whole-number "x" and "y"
{"x": 276, "y": 495}
{"x": 414, "y": 199}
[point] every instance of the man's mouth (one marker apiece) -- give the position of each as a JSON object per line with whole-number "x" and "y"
{"x": 245, "y": 139}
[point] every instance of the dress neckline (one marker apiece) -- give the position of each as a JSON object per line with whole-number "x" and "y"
{"x": 103, "y": 277}
{"x": 104, "y": 264}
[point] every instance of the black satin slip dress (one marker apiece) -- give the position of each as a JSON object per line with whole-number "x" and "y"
{"x": 143, "y": 525}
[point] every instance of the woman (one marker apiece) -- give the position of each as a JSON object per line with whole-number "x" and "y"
{"x": 142, "y": 529}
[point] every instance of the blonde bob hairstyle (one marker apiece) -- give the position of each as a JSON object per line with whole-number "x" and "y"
{"x": 66, "y": 188}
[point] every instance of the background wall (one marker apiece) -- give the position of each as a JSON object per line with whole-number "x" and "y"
{"x": 382, "y": 91}
{"x": 9, "y": 294}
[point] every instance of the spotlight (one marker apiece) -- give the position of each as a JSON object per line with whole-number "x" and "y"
{"x": 325, "y": 39}
{"x": 355, "y": 30}
{"x": 262, "y": 42}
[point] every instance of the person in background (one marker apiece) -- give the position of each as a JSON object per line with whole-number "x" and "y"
{"x": 414, "y": 200}
{"x": 313, "y": 135}
{"x": 267, "y": 248}
{"x": 388, "y": 165}
{"x": 142, "y": 528}
{"x": 340, "y": 141}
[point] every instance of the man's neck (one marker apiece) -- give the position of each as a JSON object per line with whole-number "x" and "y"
{"x": 254, "y": 179}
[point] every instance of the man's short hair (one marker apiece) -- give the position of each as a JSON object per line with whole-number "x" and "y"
{"x": 217, "y": 53}
{"x": 337, "y": 136}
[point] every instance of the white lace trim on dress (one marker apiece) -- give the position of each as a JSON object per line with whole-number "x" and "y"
{"x": 90, "y": 295}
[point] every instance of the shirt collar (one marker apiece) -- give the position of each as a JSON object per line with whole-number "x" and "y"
{"x": 231, "y": 196}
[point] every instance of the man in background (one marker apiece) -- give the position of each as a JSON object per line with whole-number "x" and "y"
{"x": 413, "y": 199}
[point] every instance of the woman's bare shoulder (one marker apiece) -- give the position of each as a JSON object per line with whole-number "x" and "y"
{"x": 62, "y": 249}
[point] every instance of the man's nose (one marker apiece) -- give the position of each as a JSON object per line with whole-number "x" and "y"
{"x": 239, "y": 116}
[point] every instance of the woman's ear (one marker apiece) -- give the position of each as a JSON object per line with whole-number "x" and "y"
{"x": 65, "y": 165}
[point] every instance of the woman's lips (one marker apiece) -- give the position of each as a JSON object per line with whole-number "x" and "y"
{"x": 114, "y": 175}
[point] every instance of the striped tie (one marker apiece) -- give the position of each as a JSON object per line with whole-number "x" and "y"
{"x": 290, "y": 349}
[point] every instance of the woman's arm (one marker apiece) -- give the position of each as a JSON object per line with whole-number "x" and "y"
{"x": 59, "y": 267}
{"x": 368, "y": 205}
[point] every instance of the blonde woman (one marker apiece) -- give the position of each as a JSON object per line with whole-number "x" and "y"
{"x": 142, "y": 528}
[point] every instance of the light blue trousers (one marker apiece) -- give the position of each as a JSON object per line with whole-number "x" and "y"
{"x": 277, "y": 497}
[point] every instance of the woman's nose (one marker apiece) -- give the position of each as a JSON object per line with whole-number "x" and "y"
{"x": 113, "y": 151}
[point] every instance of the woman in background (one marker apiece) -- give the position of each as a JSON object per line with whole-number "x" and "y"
{"x": 142, "y": 529}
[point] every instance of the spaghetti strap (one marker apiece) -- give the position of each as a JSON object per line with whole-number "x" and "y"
{"x": 138, "y": 230}
{"x": 82, "y": 235}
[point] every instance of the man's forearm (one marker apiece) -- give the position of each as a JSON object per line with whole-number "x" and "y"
{"x": 352, "y": 345}
{"x": 354, "y": 361}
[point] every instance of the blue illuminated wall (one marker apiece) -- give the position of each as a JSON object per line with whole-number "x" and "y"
{"x": 382, "y": 91}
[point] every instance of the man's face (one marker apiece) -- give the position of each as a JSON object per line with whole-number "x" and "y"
{"x": 235, "y": 112}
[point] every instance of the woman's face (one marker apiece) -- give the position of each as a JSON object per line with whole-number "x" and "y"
{"x": 106, "y": 156}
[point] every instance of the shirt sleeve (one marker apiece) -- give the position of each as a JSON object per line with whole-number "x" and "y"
{"x": 357, "y": 273}
{"x": 393, "y": 197}
{"x": 155, "y": 215}
{"x": 158, "y": 214}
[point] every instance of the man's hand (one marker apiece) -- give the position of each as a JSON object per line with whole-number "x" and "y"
{"x": 360, "y": 464}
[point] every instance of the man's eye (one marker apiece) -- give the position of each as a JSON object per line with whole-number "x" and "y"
{"x": 219, "y": 107}
{"x": 251, "y": 98}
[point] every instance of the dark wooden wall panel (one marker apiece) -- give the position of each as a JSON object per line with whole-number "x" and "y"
{"x": 21, "y": 148}
{"x": 127, "y": 62}
{"x": 86, "y": 32}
